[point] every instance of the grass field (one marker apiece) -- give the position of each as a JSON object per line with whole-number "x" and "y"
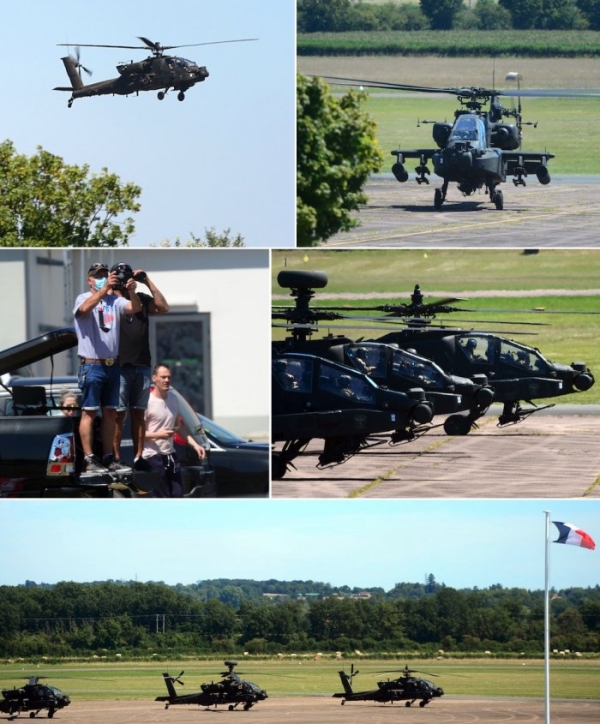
{"x": 567, "y": 127}
{"x": 569, "y": 336}
{"x": 570, "y": 679}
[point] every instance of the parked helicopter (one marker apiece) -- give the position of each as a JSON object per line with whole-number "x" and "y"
{"x": 231, "y": 690}
{"x": 479, "y": 149}
{"x": 517, "y": 372}
{"x": 157, "y": 72}
{"x": 388, "y": 365}
{"x": 33, "y": 697}
{"x": 406, "y": 688}
{"x": 314, "y": 397}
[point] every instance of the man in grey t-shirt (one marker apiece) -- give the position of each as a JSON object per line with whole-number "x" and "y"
{"x": 97, "y": 320}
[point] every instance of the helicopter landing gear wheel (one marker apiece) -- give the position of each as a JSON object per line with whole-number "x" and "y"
{"x": 160, "y": 95}
{"x": 498, "y": 200}
{"x": 50, "y": 713}
{"x": 438, "y": 199}
{"x": 342, "y": 702}
{"x": 457, "y": 425}
{"x": 181, "y": 96}
{"x": 32, "y": 715}
{"x": 231, "y": 707}
{"x": 422, "y": 703}
{"x": 408, "y": 703}
{"x": 69, "y": 102}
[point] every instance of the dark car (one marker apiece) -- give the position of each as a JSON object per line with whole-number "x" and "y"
{"x": 241, "y": 466}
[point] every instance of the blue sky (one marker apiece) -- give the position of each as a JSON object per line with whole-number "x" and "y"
{"x": 463, "y": 543}
{"x": 223, "y": 158}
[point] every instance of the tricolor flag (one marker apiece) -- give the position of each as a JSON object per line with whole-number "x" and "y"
{"x": 571, "y": 534}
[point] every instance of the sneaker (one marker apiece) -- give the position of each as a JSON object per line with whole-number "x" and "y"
{"x": 93, "y": 465}
{"x": 114, "y": 465}
{"x": 142, "y": 465}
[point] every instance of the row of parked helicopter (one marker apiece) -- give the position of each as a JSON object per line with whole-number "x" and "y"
{"x": 356, "y": 394}
{"x": 230, "y": 691}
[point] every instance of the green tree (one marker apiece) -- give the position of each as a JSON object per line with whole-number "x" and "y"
{"x": 489, "y": 15}
{"x": 46, "y": 202}
{"x": 336, "y": 151}
{"x": 211, "y": 239}
{"x": 322, "y": 15}
{"x": 441, "y": 13}
{"x": 591, "y": 11}
{"x": 525, "y": 14}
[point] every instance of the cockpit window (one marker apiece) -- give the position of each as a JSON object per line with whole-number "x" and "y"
{"x": 417, "y": 370}
{"x": 293, "y": 375}
{"x": 465, "y": 129}
{"x": 343, "y": 383}
{"x": 369, "y": 360}
{"x": 478, "y": 350}
{"x": 524, "y": 358}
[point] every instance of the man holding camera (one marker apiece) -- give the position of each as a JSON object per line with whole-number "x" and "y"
{"x": 134, "y": 360}
{"x": 98, "y": 316}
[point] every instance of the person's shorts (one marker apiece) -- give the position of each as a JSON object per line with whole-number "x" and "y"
{"x": 99, "y": 385}
{"x": 134, "y": 387}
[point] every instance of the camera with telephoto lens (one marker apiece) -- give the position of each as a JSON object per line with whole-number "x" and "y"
{"x": 124, "y": 273}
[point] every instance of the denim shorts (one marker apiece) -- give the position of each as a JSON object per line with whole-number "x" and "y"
{"x": 99, "y": 385}
{"x": 134, "y": 387}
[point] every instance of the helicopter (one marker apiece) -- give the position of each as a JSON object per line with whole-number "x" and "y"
{"x": 313, "y": 397}
{"x": 406, "y": 688}
{"x": 517, "y": 372}
{"x": 33, "y": 697}
{"x": 387, "y": 364}
{"x": 479, "y": 148}
{"x": 156, "y": 72}
{"x": 231, "y": 690}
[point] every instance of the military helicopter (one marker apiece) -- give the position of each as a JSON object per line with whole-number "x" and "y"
{"x": 313, "y": 397}
{"x": 157, "y": 72}
{"x": 407, "y": 688}
{"x": 231, "y": 691}
{"x": 388, "y": 365}
{"x": 516, "y": 372}
{"x": 33, "y": 697}
{"x": 480, "y": 148}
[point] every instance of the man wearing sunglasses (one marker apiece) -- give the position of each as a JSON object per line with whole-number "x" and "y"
{"x": 98, "y": 315}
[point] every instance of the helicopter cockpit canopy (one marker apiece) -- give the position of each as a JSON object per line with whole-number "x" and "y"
{"x": 523, "y": 358}
{"x": 417, "y": 370}
{"x": 468, "y": 127}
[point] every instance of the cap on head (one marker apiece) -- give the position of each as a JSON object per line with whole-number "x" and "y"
{"x": 96, "y": 267}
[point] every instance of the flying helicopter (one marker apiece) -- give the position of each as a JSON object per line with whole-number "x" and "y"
{"x": 407, "y": 688}
{"x": 387, "y": 364}
{"x": 158, "y": 71}
{"x": 232, "y": 690}
{"x": 480, "y": 148}
{"x": 33, "y": 697}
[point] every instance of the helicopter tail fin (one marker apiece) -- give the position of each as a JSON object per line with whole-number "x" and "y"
{"x": 346, "y": 680}
{"x": 170, "y": 688}
{"x": 74, "y": 77}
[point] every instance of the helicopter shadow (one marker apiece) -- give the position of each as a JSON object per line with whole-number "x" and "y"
{"x": 448, "y": 207}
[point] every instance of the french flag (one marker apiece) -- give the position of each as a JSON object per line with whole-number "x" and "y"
{"x": 571, "y": 534}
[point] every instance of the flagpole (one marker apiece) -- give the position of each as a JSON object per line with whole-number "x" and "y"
{"x": 547, "y": 622}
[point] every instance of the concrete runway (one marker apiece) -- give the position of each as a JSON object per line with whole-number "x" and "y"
{"x": 566, "y": 213}
{"x": 326, "y": 710}
{"x": 552, "y": 454}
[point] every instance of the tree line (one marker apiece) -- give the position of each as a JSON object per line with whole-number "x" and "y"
{"x": 352, "y": 15}
{"x": 225, "y": 616}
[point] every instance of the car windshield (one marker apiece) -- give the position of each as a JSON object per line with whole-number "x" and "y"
{"x": 220, "y": 434}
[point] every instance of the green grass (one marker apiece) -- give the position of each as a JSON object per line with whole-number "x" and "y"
{"x": 306, "y": 677}
{"x": 568, "y": 337}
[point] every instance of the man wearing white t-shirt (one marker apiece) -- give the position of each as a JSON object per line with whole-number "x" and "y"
{"x": 162, "y": 422}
